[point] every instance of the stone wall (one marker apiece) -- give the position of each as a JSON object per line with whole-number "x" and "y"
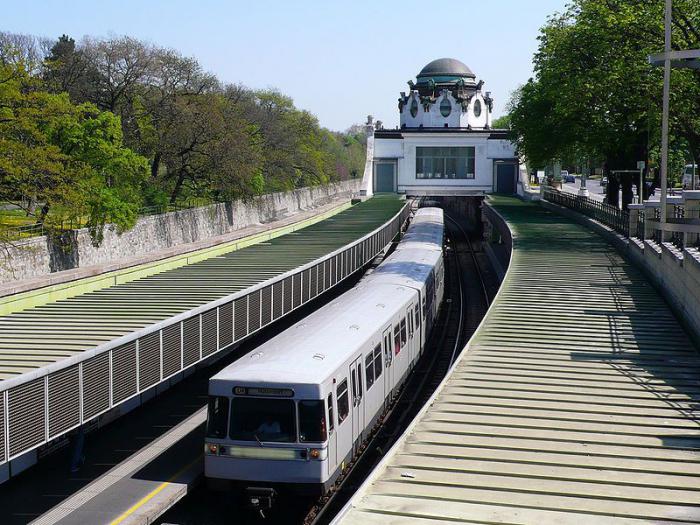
{"x": 39, "y": 256}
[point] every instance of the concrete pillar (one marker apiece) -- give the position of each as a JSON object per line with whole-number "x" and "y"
{"x": 634, "y": 210}
{"x": 671, "y": 202}
{"x": 691, "y": 202}
{"x": 650, "y": 225}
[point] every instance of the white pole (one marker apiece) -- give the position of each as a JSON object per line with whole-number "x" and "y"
{"x": 664, "y": 120}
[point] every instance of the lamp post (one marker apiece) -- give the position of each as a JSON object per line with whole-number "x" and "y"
{"x": 583, "y": 190}
{"x": 679, "y": 59}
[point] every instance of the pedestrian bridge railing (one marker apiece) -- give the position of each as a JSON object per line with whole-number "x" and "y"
{"x": 642, "y": 221}
{"x": 609, "y": 215}
{"x": 682, "y": 225}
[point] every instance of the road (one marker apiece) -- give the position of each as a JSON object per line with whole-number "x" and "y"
{"x": 595, "y": 190}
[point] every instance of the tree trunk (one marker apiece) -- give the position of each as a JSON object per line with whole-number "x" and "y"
{"x": 613, "y": 187}
{"x": 178, "y": 186}
{"x": 43, "y": 213}
{"x": 155, "y": 165}
{"x": 626, "y": 180}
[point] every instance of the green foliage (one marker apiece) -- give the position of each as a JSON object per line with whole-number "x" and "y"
{"x": 595, "y": 96}
{"x": 93, "y": 130}
{"x": 67, "y": 160}
{"x": 502, "y": 122}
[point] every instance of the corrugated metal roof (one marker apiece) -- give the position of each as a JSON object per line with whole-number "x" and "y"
{"x": 43, "y": 335}
{"x": 575, "y": 403}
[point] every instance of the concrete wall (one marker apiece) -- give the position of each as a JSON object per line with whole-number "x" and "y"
{"x": 676, "y": 274}
{"x": 497, "y": 240}
{"x": 43, "y": 255}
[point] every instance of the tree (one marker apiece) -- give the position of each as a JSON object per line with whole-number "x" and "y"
{"x": 201, "y": 138}
{"x": 594, "y": 94}
{"x": 502, "y": 122}
{"x": 69, "y": 158}
{"x": 211, "y": 148}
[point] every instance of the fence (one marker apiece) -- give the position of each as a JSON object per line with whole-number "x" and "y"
{"x": 609, "y": 215}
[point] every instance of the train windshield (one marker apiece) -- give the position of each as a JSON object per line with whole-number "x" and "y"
{"x": 312, "y": 421}
{"x": 254, "y": 419}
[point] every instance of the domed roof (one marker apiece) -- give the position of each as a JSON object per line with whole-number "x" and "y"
{"x": 443, "y": 67}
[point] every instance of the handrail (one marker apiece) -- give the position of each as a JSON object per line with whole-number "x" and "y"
{"x": 611, "y": 216}
{"x": 641, "y": 221}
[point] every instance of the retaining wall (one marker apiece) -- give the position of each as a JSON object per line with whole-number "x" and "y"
{"x": 40, "y": 256}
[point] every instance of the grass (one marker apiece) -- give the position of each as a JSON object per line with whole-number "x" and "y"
{"x": 14, "y": 218}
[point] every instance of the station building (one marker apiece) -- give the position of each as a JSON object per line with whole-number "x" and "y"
{"x": 445, "y": 145}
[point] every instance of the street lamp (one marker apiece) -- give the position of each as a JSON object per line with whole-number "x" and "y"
{"x": 689, "y": 58}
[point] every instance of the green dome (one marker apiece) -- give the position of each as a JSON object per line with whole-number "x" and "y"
{"x": 445, "y": 67}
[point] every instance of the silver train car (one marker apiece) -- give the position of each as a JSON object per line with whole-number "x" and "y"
{"x": 293, "y": 412}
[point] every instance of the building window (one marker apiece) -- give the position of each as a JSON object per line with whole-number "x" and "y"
{"x": 445, "y": 107}
{"x": 477, "y": 108}
{"x": 414, "y": 108}
{"x": 445, "y": 163}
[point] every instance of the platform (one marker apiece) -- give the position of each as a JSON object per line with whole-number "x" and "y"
{"x": 65, "y": 363}
{"x": 576, "y": 402}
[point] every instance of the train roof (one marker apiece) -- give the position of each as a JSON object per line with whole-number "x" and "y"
{"x": 410, "y": 268}
{"x": 426, "y": 231}
{"x": 315, "y": 347}
{"x": 311, "y": 350}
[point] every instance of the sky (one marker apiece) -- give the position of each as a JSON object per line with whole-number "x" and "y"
{"x": 339, "y": 60}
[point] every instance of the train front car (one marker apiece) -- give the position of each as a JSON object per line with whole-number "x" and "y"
{"x": 261, "y": 434}
{"x": 292, "y": 414}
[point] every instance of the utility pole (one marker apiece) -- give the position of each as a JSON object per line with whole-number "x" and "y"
{"x": 664, "y": 118}
{"x": 680, "y": 59}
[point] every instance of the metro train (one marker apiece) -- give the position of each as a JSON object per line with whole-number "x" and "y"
{"x": 292, "y": 413}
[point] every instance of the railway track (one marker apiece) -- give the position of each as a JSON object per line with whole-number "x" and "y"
{"x": 466, "y": 301}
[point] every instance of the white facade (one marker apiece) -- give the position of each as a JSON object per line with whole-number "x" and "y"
{"x": 445, "y": 145}
{"x": 475, "y": 113}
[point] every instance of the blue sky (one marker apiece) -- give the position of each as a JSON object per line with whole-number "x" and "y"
{"x": 339, "y": 60}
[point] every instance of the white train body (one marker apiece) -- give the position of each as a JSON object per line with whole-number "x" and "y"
{"x": 296, "y": 409}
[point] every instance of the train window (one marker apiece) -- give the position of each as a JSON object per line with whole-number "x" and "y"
{"x": 217, "y": 417}
{"x": 312, "y": 421}
{"x": 359, "y": 380}
{"x": 377, "y": 361}
{"x": 369, "y": 370}
{"x": 397, "y": 339}
{"x": 254, "y": 419}
{"x": 354, "y": 386}
{"x": 403, "y": 332}
{"x": 331, "y": 414}
{"x": 417, "y": 317}
{"x": 343, "y": 402}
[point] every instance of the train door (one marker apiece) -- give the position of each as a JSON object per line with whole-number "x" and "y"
{"x": 409, "y": 327}
{"x": 358, "y": 405}
{"x": 388, "y": 358}
{"x": 343, "y": 431}
{"x": 420, "y": 332}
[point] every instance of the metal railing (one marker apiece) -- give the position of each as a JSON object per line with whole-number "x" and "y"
{"x": 609, "y": 215}
{"x": 682, "y": 227}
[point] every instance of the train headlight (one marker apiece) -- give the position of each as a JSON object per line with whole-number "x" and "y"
{"x": 317, "y": 453}
{"x": 211, "y": 448}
